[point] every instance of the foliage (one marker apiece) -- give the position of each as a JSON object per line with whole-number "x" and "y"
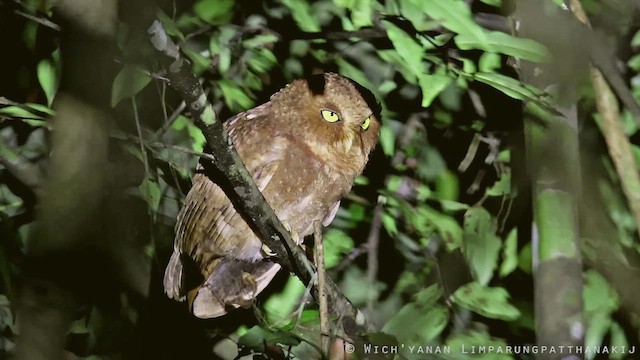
{"x": 455, "y": 259}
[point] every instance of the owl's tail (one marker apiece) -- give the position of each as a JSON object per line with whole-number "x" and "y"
{"x": 173, "y": 278}
{"x": 234, "y": 283}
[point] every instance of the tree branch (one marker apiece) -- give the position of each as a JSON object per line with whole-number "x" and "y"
{"x": 230, "y": 173}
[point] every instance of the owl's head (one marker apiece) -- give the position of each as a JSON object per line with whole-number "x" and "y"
{"x": 333, "y": 113}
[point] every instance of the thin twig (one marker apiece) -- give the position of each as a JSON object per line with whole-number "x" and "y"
{"x": 617, "y": 142}
{"x": 322, "y": 294}
{"x": 373, "y": 240}
{"x": 42, "y": 21}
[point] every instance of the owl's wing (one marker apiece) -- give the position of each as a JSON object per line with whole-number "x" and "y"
{"x": 210, "y": 235}
{"x": 331, "y": 214}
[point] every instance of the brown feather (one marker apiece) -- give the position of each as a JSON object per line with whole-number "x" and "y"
{"x": 302, "y": 164}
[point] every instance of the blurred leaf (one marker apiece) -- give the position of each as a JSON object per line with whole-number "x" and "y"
{"x": 525, "y": 259}
{"x": 463, "y": 342}
{"x": 619, "y": 339}
{"x": 234, "y": 97}
{"x": 509, "y": 254}
{"x": 491, "y": 302}
{"x": 489, "y": 62}
{"x": 387, "y": 140}
{"x": 502, "y": 187}
{"x": 200, "y": 62}
{"x": 507, "y": 85}
{"x": 496, "y": 3}
{"x": 219, "y": 45}
{"x": 389, "y": 223}
{"x": 150, "y": 192}
{"x": 635, "y": 41}
{"x": 481, "y": 244}
{"x": 362, "y": 13}
{"x": 407, "y": 47}
{"x": 447, "y": 186}
{"x": 337, "y": 243}
{"x": 41, "y": 108}
{"x": 127, "y": 83}
{"x": 169, "y": 25}
{"x": 198, "y": 140}
{"x": 19, "y": 112}
{"x": 432, "y": 85}
{"x": 499, "y": 42}
{"x": 214, "y": 11}
{"x": 420, "y": 321}
{"x": 48, "y": 79}
{"x": 454, "y": 15}
{"x": 357, "y": 288}
{"x": 598, "y": 295}
{"x": 302, "y": 15}
{"x": 279, "y": 306}
{"x": 257, "y": 337}
{"x": 259, "y": 41}
{"x": 261, "y": 60}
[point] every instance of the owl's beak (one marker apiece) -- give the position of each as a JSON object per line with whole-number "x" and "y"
{"x": 346, "y": 143}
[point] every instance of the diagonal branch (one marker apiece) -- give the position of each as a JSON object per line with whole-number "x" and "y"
{"x": 230, "y": 173}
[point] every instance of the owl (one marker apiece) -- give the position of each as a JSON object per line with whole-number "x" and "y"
{"x": 303, "y": 148}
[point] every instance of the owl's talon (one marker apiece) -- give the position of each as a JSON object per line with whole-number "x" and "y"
{"x": 267, "y": 251}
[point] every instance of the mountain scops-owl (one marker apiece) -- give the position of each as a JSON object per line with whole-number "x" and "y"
{"x": 303, "y": 148}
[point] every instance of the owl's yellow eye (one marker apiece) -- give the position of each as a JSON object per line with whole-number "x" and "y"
{"x": 366, "y": 123}
{"x": 329, "y": 116}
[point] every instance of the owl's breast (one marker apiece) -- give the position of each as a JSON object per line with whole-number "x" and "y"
{"x": 304, "y": 190}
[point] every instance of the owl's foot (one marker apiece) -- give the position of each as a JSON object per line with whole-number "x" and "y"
{"x": 267, "y": 252}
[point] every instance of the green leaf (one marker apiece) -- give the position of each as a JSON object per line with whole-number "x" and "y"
{"x": 509, "y": 254}
{"x": 418, "y": 323}
{"x": 19, "y": 112}
{"x": 48, "y": 79}
{"x": 234, "y": 97}
{"x": 259, "y": 41}
{"x": 214, "y": 11}
{"x": 489, "y": 62}
{"x": 463, "y": 342}
{"x": 407, "y": 47}
{"x": 496, "y": 3}
{"x": 507, "y": 85}
{"x": 501, "y": 187}
{"x": 261, "y": 60}
{"x": 150, "y": 192}
{"x": 389, "y": 223}
{"x": 197, "y": 138}
{"x": 199, "y": 62}
{"x": 635, "y": 41}
{"x": 481, "y": 245}
{"x": 387, "y": 140}
{"x": 525, "y": 259}
{"x": 337, "y": 243}
{"x": 598, "y": 295}
{"x": 362, "y": 13}
{"x": 257, "y": 337}
{"x": 127, "y": 83}
{"x": 432, "y": 85}
{"x": 23, "y": 115}
{"x": 279, "y": 306}
{"x": 454, "y": 15}
{"x": 41, "y": 108}
{"x": 491, "y": 302}
{"x": 302, "y": 15}
{"x": 619, "y": 339}
{"x": 499, "y": 42}
{"x": 169, "y": 25}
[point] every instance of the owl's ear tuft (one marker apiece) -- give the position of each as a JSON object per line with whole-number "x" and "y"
{"x": 368, "y": 97}
{"x": 316, "y": 84}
